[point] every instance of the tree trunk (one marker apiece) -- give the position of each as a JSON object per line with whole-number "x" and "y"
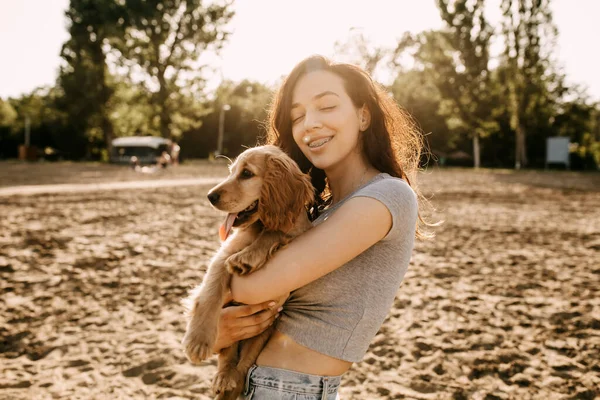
{"x": 105, "y": 94}
{"x": 520, "y": 150}
{"x": 165, "y": 116}
{"x": 107, "y": 130}
{"x": 476, "y": 151}
{"x": 106, "y": 123}
{"x": 165, "y": 121}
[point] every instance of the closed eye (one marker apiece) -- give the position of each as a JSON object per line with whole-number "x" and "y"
{"x": 298, "y": 118}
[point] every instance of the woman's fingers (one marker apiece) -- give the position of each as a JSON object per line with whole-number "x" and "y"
{"x": 258, "y": 318}
{"x": 228, "y": 297}
{"x": 249, "y": 331}
{"x": 246, "y": 321}
{"x": 281, "y": 300}
{"x": 250, "y": 309}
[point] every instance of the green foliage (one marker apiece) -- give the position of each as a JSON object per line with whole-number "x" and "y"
{"x": 136, "y": 67}
{"x": 360, "y": 51}
{"x": 460, "y": 57}
{"x": 533, "y": 87}
{"x": 163, "y": 42}
{"x": 84, "y": 77}
{"x": 159, "y": 42}
{"x": 513, "y": 107}
{"x": 8, "y": 140}
{"x": 8, "y": 115}
{"x": 415, "y": 92}
{"x": 243, "y": 123}
{"x": 131, "y": 112}
{"x": 457, "y": 59}
{"x": 581, "y": 123}
{"x": 48, "y": 124}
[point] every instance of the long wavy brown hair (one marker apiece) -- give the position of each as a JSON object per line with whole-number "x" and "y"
{"x": 392, "y": 143}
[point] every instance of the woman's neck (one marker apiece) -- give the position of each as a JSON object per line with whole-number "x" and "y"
{"x": 344, "y": 180}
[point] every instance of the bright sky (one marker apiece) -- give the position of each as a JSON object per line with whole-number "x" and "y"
{"x": 271, "y": 36}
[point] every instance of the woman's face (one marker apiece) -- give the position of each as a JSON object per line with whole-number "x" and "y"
{"x": 325, "y": 123}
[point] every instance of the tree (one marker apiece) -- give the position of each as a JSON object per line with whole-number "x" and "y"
{"x": 459, "y": 57}
{"x": 243, "y": 123}
{"x": 84, "y": 78}
{"x": 416, "y": 93}
{"x": 580, "y": 122}
{"x": 48, "y": 124}
{"x": 532, "y": 85}
{"x": 456, "y": 60}
{"x": 8, "y": 141}
{"x": 360, "y": 51}
{"x": 163, "y": 43}
{"x": 131, "y": 112}
{"x": 8, "y": 115}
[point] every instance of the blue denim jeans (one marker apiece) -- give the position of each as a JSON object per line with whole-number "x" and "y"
{"x": 267, "y": 383}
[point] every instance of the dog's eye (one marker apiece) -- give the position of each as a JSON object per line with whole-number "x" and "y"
{"x": 246, "y": 174}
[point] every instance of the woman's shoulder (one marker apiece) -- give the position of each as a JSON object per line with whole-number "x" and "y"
{"x": 390, "y": 187}
{"x": 400, "y": 200}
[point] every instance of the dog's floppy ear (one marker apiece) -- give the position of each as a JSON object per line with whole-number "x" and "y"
{"x": 284, "y": 193}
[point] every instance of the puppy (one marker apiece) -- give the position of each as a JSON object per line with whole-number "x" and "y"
{"x": 265, "y": 196}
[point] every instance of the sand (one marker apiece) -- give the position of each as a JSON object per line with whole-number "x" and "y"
{"x": 503, "y": 304}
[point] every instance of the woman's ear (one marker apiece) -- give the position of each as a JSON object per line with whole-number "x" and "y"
{"x": 284, "y": 194}
{"x": 364, "y": 118}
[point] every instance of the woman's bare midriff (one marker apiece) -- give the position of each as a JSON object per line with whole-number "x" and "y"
{"x": 283, "y": 352}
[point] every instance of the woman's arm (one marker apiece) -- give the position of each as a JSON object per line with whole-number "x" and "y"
{"x": 243, "y": 322}
{"x": 354, "y": 227}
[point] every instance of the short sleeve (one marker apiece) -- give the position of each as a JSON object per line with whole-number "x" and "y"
{"x": 400, "y": 200}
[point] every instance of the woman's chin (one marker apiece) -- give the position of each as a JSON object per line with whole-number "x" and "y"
{"x": 320, "y": 163}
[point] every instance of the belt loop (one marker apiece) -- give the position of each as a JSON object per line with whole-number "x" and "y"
{"x": 325, "y": 388}
{"x": 247, "y": 384}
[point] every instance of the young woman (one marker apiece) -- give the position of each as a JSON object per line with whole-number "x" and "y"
{"x": 362, "y": 153}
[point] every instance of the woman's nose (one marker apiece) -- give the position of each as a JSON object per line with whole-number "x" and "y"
{"x": 311, "y": 121}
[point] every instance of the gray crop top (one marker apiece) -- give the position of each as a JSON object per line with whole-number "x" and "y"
{"x": 340, "y": 313}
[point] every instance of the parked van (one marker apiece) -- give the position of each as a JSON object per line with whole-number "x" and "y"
{"x": 145, "y": 149}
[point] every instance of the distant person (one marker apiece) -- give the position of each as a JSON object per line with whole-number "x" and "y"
{"x": 175, "y": 149}
{"x": 362, "y": 152}
{"x": 164, "y": 160}
{"x": 134, "y": 163}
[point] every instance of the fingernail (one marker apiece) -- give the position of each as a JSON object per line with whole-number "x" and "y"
{"x": 279, "y": 309}
{"x": 271, "y": 304}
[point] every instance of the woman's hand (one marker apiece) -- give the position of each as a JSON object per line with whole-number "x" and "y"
{"x": 242, "y": 322}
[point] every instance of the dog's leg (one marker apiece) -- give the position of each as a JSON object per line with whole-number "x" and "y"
{"x": 206, "y": 302}
{"x": 227, "y": 379}
{"x": 253, "y": 257}
{"x": 250, "y": 349}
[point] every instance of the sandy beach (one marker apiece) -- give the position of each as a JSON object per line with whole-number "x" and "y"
{"x": 503, "y": 304}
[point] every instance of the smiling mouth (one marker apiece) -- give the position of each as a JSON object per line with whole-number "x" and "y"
{"x": 245, "y": 214}
{"x": 237, "y": 219}
{"x": 319, "y": 143}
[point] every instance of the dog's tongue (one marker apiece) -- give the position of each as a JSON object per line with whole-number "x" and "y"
{"x": 226, "y": 226}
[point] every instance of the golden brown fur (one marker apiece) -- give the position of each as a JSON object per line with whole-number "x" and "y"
{"x": 268, "y": 175}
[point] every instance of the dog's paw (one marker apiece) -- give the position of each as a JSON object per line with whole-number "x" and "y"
{"x": 198, "y": 344}
{"x": 226, "y": 381}
{"x": 238, "y": 264}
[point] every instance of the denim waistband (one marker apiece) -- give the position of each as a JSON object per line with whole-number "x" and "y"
{"x": 283, "y": 379}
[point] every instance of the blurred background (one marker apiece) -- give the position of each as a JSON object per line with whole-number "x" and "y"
{"x": 488, "y": 81}
{"x": 112, "y": 113}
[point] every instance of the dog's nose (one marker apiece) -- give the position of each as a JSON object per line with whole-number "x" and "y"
{"x": 213, "y": 197}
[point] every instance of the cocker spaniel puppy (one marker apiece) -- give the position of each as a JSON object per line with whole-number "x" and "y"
{"x": 264, "y": 196}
